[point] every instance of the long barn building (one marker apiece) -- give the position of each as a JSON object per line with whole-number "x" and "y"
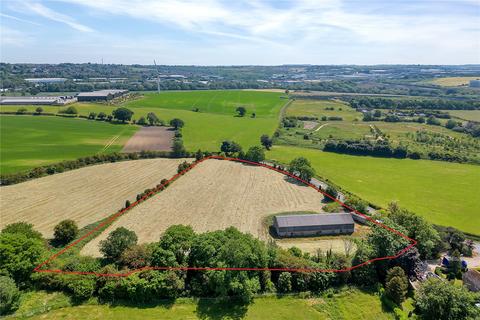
{"x": 314, "y": 224}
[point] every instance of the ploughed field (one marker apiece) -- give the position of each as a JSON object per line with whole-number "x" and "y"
{"x": 150, "y": 138}
{"x": 215, "y": 195}
{"x": 84, "y": 195}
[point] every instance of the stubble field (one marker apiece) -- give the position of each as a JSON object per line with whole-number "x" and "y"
{"x": 216, "y": 195}
{"x": 85, "y": 195}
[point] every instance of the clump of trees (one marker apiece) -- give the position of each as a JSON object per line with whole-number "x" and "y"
{"x": 230, "y": 147}
{"x": 386, "y": 103}
{"x": 302, "y": 168}
{"x": 71, "y": 110}
{"x": 439, "y": 300}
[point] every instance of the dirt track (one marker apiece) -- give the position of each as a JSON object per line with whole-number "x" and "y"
{"x": 215, "y": 195}
{"x": 151, "y": 139}
{"x": 85, "y": 195}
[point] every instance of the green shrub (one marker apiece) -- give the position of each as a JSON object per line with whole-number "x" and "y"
{"x": 9, "y": 295}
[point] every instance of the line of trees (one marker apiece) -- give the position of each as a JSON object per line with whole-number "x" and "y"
{"x": 389, "y": 103}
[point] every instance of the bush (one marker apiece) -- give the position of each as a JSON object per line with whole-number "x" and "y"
{"x": 39, "y": 110}
{"x": 22, "y": 110}
{"x": 255, "y": 154}
{"x": 9, "y": 295}
{"x": 332, "y": 191}
{"x": 284, "y": 282}
{"x": 69, "y": 110}
{"x": 65, "y": 231}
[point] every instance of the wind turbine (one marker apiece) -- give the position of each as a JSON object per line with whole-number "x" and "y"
{"x": 158, "y": 76}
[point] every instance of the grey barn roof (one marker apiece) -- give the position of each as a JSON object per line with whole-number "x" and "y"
{"x": 321, "y": 219}
{"x": 100, "y": 93}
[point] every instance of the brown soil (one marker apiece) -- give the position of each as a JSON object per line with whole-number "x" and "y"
{"x": 151, "y": 139}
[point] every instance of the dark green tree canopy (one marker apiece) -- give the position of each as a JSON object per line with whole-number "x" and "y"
{"x": 117, "y": 242}
{"x": 65, "y": 231}
{"x": 122, "y": 114}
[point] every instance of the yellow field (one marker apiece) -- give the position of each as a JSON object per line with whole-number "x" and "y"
{"x": 85, "y": 195}
{"x": 453, "y": 81}
{"x": 216, "y": 195}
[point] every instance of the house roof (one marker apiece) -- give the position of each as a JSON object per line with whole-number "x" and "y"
{"x": 321, "y": 219}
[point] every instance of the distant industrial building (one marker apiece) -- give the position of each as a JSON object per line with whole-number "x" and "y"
{"x": 101, "y": 95}
{"x": 54, "y": 100}
{"x": 313, "y": 224}
{"x": 475, "y": 83}
{"x": 45, "y": 80}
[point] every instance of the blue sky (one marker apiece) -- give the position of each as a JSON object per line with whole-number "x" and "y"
{"x": 237, "y": 32}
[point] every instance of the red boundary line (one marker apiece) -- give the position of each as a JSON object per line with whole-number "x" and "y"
{"x": 156, "y": 190}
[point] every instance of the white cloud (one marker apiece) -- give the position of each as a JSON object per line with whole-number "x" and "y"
{"x": 48, "y": 13}
{"x": 19, "y": 19}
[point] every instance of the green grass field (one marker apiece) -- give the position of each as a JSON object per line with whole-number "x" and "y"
{"x": 263, "y": 104}
{"x": 316, "y": 108}
{"x": 349, "y": 304}
{"x": 31, "y": 141}
{"x": 472, "y": 115}
{"x": 444, "y": 193}
{"x": 205, "y": 129}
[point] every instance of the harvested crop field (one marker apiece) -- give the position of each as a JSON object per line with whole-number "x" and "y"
{"x": 216, "y": 195}
{"x": 150, "y": 139}
{"x": 85, "y": 195}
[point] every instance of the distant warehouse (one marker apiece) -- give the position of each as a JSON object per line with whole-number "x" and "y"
{"x": 37, "y": 100}
{"x": 313, "y": 224}
{"x": 101, "y": 95}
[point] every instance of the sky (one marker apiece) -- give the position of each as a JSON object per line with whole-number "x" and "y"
{"x": 240, "y": 32}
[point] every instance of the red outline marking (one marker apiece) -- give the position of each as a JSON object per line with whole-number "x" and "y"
{"x": 121, "y": 212}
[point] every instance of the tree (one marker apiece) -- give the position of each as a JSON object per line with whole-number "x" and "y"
{"x": 122, "y": 114}
{"x": 117, "y": 242}
{"x": 65, "y": 231}
{"x": 377, "y": 113}
{"x": 152, "y": 118}
{"x": 284, "y": 282}
{"x": 177, "y": 123}
{"x": 9, "y": 295}
{"x": 301, "y": 167}
{"x": 137, "y": 256}
{"x": 230, "y": 147}
{"x": 332, "y": 191}
{"x": 39, "y": 110}
{"x": 396, "y": 285}
{"x": 439, "y": 300}
{"x": 255, "y": 154}
{"x": 178, "y": 150}
{"x": 92, "y": 115}
{"x": 266, "y": 141}
{"x": 142, "y": 121}
{"x": 356, "y": 204}
{"x": 22, "y": 228}
{"x": 19, "y": 255}
{"x": 241, "y": 110}
{"x": 450, "y": 124}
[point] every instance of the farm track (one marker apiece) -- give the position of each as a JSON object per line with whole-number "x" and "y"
{"x": 85, "y": 195}
{"x": 216, "y": 195}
